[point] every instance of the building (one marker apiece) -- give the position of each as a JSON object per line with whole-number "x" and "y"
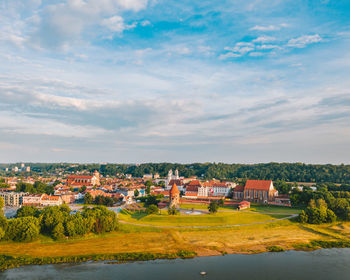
{"x": 14, "y": 199}
{"x": 32, "y": 199}
{"x": 95, "y": 193}
{"x": 243, "y": 205}
{"x": 218, "y": 189}
{"x": 84, "y": 180}
{"x": 50, "y": 200}
{"x": 147, "y": 177}
{"x": 238, "y": 192}
{"x": 194, "y": 189}
{"x": 261, "y": 191}
{"x": 172, "y": 176}
{"x": 174, "y": 197}
{"x": 68, "y": 197}
{"x": 178, "y": 182}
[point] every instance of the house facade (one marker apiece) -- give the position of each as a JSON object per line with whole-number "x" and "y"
{"x": 84, "y": 180}
{"x": 13, "y": 199}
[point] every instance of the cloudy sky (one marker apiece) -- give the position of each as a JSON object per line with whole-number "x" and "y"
{"x": 177, "y": 81}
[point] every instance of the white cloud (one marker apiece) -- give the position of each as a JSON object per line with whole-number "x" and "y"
{"x": 116, "y": 24}
{"x": 135, "y": 5}
{"x": 256, "y": 54}
{"x": 265, "y": 28}
{"x": 62, "y": 24}
{"x": 267, "y": 47}
{"x": 145, "y": 23}
{"x": 303, "y": 41}
{"x": 264, "y": 39}
{"x": 268, "y": 27}
{"x": 229, "y": 55}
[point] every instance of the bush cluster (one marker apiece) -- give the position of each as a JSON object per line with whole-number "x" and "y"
{"x": 56, "y": 222}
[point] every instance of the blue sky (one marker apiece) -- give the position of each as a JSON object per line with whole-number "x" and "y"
{"x": 177, "y": 81}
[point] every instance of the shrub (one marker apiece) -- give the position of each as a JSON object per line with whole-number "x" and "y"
{"x": 152, "y": 209}
{"x": 275, "y": 249}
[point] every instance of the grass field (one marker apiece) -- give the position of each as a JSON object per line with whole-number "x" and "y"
{"x": 273, "y": 209}
{"x": 218, "y": 219}
{"x": 255, "y": 207}
{"x": 246, "y": 239}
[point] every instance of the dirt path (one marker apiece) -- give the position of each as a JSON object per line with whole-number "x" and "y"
{"x": 218, "y": 226}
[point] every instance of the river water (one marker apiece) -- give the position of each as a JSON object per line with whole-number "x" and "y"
{"x": 327, "y": 264}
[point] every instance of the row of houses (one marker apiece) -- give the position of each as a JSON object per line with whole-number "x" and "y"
{"x": 16, "y": 199}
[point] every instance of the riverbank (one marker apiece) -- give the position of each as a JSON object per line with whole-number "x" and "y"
{"x": 142, "y": 242}
{"x": 322, "y": 264}
{"x": 8, "y": 262}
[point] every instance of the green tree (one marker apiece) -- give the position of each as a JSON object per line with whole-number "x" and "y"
{"x": 303, "y": 218}
{"x": 88, "y": 199}
{"x": 172, "y": 211}
{"x": 136, "y": 193}
{"x": 2, "y": 204}
{"x": 148, "y": 184}
{"x": 22, "y": 229}
{"x": 27, "y": 211}
{"x": 58, "y": 232}
{"x": 331, "y": 217}
{"x": 152, "y": 209}
{"x": 50, "y": 217}
{"x": 82, "y": 189}
{"x": 213, "y": 207}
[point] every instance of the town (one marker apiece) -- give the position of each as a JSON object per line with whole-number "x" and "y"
{"x": 122, "y": 189}
{"x": 103, "y": 211}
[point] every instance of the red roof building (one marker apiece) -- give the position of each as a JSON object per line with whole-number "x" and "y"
{"x": 261, "y": 191}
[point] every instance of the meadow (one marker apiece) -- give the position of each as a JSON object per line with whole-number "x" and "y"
{"x": 255, "y": 238}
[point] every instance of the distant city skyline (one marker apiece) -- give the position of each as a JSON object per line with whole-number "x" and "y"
{"x": 136, "y": 81}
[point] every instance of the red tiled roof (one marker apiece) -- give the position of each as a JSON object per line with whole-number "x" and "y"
{"x": 165, "y": 193}
{"x": 258, "y": 185}
{"x": 79, "y": 177}
{"x": 177, "y": 182}
{"x": 174, "y": 190}
{"x": 191, "y": 188}
{"x": 194, "y": 183}
{"x": 50, "y": 197}
{"x": 239, "y": 188}
{"x": 191, "y": 194}
{"x": 220, "y": 185}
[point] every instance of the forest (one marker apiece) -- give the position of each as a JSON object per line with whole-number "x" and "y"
{"x": 291, "y": 172}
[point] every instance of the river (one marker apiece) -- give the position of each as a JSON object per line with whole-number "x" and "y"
{"x": 327, "y": 264}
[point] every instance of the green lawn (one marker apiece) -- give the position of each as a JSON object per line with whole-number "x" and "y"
{"x": 221, "y": 218}
{"x": 273, "y": 209}
{"x": 205, "y": 207}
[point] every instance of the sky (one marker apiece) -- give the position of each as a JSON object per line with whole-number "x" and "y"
{"x": 132, "y": 81}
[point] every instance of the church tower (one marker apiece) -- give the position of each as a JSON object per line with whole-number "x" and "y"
{"x": 177, "y": 177}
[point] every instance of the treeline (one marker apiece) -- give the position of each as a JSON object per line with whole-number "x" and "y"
{"x": 322, "y": 206}
{"x": 37, "y": 187}
{"x": 56, "y": 222}
{"x": 292, "y": 172}
{"x": 100, "y": 200}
